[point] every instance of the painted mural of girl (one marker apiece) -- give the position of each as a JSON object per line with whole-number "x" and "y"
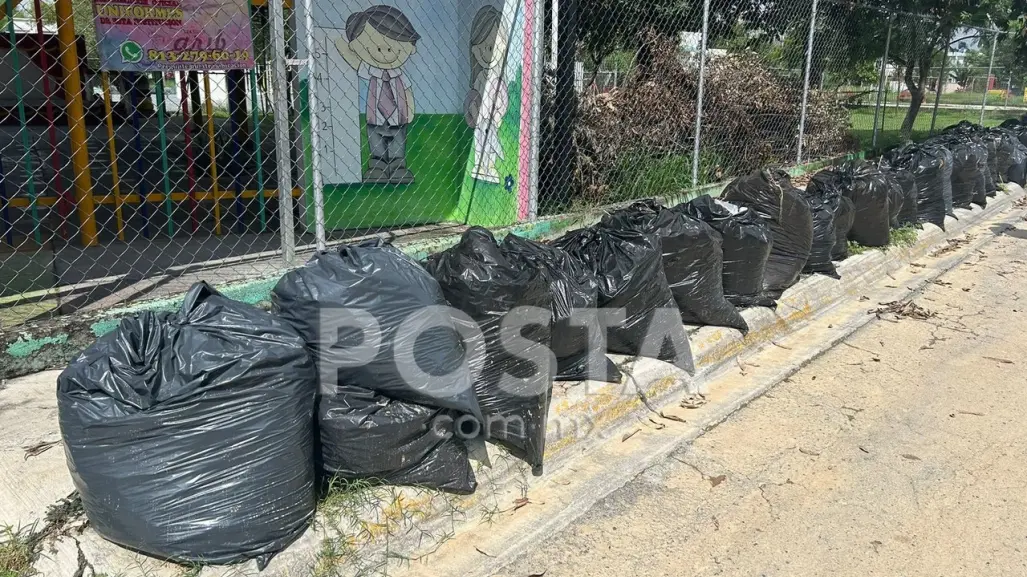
{"x": 488, "y": 91}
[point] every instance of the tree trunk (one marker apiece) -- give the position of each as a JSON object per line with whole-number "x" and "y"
{"x": 911, "y": 113}
{"x": 917, "y": 91}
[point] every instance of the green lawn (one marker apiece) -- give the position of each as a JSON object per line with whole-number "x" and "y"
{"x": 863, "y": 123}
{"x": 974, "y": 98}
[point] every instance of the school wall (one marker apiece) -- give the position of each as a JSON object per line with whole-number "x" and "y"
{"x": 439, "y": 141}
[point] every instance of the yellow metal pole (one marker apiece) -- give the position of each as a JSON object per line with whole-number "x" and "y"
{"x": 76, "y": 123}
{"x": 213, "y": 160}
{"x": 114, "y": 153}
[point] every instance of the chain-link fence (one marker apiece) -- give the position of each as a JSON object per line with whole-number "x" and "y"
{"x": 148, "y": 144}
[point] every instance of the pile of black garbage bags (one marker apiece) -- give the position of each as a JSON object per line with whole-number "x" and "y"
{"x": 203, "y": 435}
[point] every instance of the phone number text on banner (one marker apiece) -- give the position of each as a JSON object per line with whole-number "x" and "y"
{"x": 141, "y": 35}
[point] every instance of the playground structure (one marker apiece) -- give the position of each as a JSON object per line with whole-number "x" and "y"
{"x": 99, "y": 157}
{"x": 109, "y": 174}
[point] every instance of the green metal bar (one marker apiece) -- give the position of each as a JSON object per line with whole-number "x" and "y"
{"x": 20, "y": 95}
{"x": 255, "y": 107}
{"x": 257, "y": 148}
{"x": 168, "y": 206}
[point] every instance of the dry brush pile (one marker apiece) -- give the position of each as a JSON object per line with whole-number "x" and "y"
{"x": 750, "y": 120}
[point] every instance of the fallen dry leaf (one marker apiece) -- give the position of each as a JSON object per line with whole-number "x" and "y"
{"x": 910, "y": 457}
{"x": 39, "y": 448}
{"x": 693, "y": 401}
{"x": 904, "y": 309}
{"x": 714, "y": 481}
{"x": 809, "y": 452}
{"x": 673, "y": 418}
{"x": 484, "y": 553}
{"x": 629, "y": 435}
{"x": 997, "y": 359}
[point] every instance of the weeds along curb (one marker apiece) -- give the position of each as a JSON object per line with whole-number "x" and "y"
{"x": 584, "y": 415}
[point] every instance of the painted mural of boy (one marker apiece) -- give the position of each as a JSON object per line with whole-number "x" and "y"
{"x": 378, "y": 42}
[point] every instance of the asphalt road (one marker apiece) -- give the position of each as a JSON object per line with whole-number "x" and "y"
{"x": 902, "y": 451}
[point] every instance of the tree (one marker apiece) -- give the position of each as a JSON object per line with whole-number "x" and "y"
{"x": 963, "y": 75}
{"x": 917, "y": 43}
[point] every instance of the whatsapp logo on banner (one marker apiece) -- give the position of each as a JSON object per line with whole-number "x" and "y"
{"x": 131, "y": 51}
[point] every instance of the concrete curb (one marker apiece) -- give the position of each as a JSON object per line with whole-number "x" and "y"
{"x": 49, "y": 344}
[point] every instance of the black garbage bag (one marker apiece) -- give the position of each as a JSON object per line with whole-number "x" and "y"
{"x": 944, "y": 155}
{"x": 628, "y": 264}
{"x": 931, "y": 167}
{"x": 824, "y": 194}
{"x": 871, "y": 192}
{"x": 1017, "y": 167}
{"x": 512, "y": 379}
{"x": 746, "y": 244}
{"x": 577, "y": 336}
{"x": 965, "y": 171}
{"x": 991, "y": 175}
{"x": 338, "y": 299}
{"x": 770, "y": 193}
{"x": 981, "y": 188}
{"x": 1006, "y": 145}
{"x": 365, "y": 435}
{"x": 693, "y": 261}
{"x": 907, "y": 184}
{"x": 844, "y": 216}
{"x": 831, "y": 184}
{"x": 895, "y": 199}
{"x": 190, "y": 435}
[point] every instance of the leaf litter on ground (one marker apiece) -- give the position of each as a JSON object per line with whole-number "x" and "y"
{"x": 904, "y": 309}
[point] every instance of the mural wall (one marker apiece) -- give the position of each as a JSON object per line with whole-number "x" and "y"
{"x": 420, "y": 110}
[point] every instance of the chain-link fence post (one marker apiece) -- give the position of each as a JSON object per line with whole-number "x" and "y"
{"x": 881, "y": 81}
{"x": 315, "y": 144}
{"x": 699, "y": 96}
{"x": 987, "y": 79}
{"x": 283, "y": 138}
{"x": 536, "y": 105}
{"x": 805, "y": 82}
{"x": 940, "y": 88}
